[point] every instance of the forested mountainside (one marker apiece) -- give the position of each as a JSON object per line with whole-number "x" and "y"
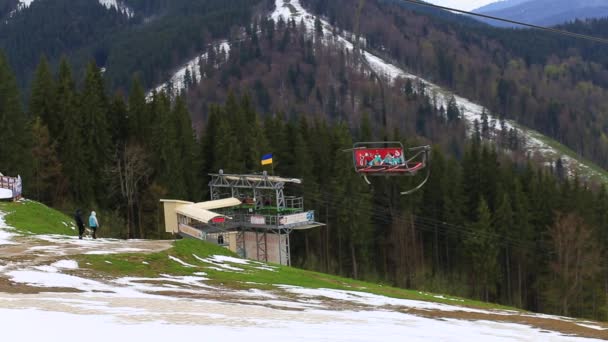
{"x": 551, "y": 83}
{"x": 155, "y": 38}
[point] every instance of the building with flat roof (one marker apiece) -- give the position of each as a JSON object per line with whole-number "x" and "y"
{"x": 249, "y": 214}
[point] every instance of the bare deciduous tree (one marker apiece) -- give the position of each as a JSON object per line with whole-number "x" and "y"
{"x": 129, "y": 172}
{"x": 577, "y": 257}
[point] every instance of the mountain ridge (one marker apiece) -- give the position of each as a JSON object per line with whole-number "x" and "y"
{"x": 544, "y": 12}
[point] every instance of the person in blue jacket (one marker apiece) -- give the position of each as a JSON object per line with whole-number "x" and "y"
{"x": 93, "y": 224}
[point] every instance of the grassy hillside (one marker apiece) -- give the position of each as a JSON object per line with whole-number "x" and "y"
{"x": 251, "y": 275}
{"x": 29, "y": 217}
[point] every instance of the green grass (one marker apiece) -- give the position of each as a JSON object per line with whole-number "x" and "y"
{"x": 29, "y": 217}
{"x": 159, "y": 263}
{"x": 586, "y": 168}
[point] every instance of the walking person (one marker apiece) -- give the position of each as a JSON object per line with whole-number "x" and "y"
{"x": 93, "y": 223}
{"x": 79, "y": 223}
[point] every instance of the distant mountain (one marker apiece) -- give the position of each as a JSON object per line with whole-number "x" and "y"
{"x": 544, "y": 12}
{"x": 499, "y": 5}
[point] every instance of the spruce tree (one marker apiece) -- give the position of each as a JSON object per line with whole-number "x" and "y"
{"x": 118, "y": 120}
{"x": 15, "y": 157}
{"x": 140, "y": 123}
{"x": 97, "y": 140}
{"x": 187, "y": 148}
{"x": 483, "y": 249}
{"x": 47, "y": 179}
{"x": 42, "y": 99}
{"x": 70, "y": 130}
{"x": 504, "y": 222}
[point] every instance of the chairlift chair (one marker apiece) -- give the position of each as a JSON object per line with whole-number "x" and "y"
{"x": 388, "y": 159}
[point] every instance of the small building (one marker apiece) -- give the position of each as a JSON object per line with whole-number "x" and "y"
{"x": 249, "y": 214}
{"x": 10, "y": 188}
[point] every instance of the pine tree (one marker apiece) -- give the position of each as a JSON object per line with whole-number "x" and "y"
{"x": 140, "y": 123}
{"x": 485, "y": 125}
{"x": 471, "y": 171}
{"x": 47, "y": 180}
{"x": 42, "y": 99}
{"x": 352, "y": 214}
{"x": 453, "y": 113}
{"x": 504, "y": 222}
{"x": 97, "y": 140}
{"x": 482, "y": 247}
{"x": 118, "y": 120}
{"x": 70, "y": 130}
{"x": 187, "y": 148}
{"x": 15, "y": 157}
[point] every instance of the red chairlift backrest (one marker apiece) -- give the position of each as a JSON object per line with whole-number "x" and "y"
{"x": 218, "y": 219}
{"x": 366, "y": 158}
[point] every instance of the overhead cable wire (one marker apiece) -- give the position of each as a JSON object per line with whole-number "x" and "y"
{"x": 538, "y": 27}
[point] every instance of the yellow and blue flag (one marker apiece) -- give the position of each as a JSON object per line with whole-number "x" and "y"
{"x": 267, "y": 159}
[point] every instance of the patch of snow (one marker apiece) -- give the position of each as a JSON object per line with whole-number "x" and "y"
{"x": 5, "y": 234}
{"x": 66, "y": 264}
{"x": 266, "y": 268}
{"x": 281, "y": 303}
{"x": 183, "y": 263}
{"x": 119, "y": 6}
{"x": 52, "y": 279}
{"x": 219, "y": 263}
{"x": 164, "y": 283}
{"x": 46, "y": 268}
{"x": 373, "y": 300}
{"x": 223, "y": 258}
{"x": 591, "y": 326}
{"x": 256, "y": 293}
{"x": 25, "y": 3}
{"x": 177, "y": 82}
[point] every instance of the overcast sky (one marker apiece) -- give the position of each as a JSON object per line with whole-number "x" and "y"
{"x": 466, "y": 5}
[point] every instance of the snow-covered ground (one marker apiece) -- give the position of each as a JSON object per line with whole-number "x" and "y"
{"x": 65, "y": 302}
{"x": 535, "y": 144}
{"x": 6, "y": 233}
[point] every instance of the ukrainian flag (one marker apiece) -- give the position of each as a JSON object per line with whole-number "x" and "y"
{"x": 267, "y": 159}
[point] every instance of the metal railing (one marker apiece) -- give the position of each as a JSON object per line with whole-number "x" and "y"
{"x": 13, "y": 184}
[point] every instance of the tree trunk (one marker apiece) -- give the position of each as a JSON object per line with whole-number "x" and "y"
{"x": 436, "y": 251}
{"x": 508, "y": 267}
{"x": 327, "y": 239}
{"x": 519, "y": 285}
{"x": 354, "y": 259}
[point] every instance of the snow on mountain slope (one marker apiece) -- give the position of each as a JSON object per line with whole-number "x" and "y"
{"x": 536, "y": 144}
{"x": 109, "y": 4}
{"x": 177, "y": 83}
{"x": 120, "y": 7}
{"x": 24, "y": 3}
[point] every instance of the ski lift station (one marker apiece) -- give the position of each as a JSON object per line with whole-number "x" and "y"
{"x": 248, "y": 214}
